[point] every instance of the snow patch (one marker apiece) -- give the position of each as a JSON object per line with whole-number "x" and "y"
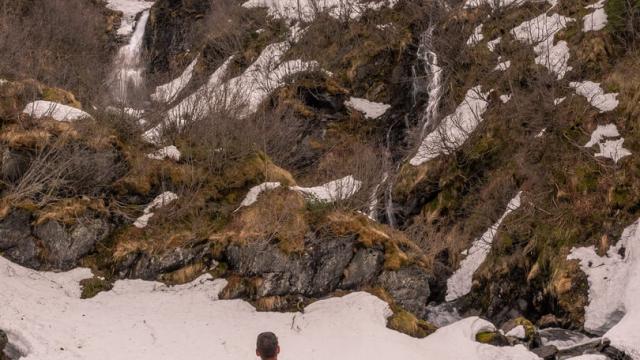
{"x": 168, "y": 92}
{"x": 370, "y": 109}
{"x": 160, "y": 201}
{"x": 340, "y": 189}
{"x": 306, "y": 10}
{"x": 459, "y": 284}
{"x": 149, "y": 320}
{"x": 595, "y": 95}
{"x": 254, "y": 192}
{"x": 541, "y": 32}
{"x": 596, "y": 20}
{"x": 476, "y": 37}
{"x": 505, "y": 98}
{"x": 57, "y": 111}
{"x": 493, "y": 43}
{"x": 518, "y": 332}
{"x": 559, "y": 101}
{"x": 167, "y": 152}
{"x": 454, "y": 129}
{"x": 541, "y": 133}
{"x": 610, "y": 147}
{"x": 614, "y": 289}
{"x": 503, "y": 65}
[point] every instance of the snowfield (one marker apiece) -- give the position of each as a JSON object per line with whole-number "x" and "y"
{"x": 45, "y": 319}
{"x": 614, "y": 290}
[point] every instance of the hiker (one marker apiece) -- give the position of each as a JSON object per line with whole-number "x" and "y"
{"x": 267, "y": 347}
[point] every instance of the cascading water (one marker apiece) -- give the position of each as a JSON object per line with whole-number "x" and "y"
{"x": 127, "y": 74}
{"x": 434, "y": 74}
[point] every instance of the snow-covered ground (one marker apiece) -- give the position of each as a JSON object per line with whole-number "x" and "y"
{"x": 340, "y": 189}
{"x": 609, "y": 141}
{"x": 161, "y": 200}
{"x": 167, "y": 152}
{"x": 254, "y": 192}
{"x": 370, "y": 109}
{"x": 459, "y": 284}
{"x": 307, "y": 10}
{"x": 476, "y": 37}
{"x": 454, "y": 129}
{"x": 129, "y": 9}
{"x": 56, "y": 111}
{"x": 541, "y": 32}
{"x": 614, "y": 290}
{"x": 597, "y": 19}
{"x": 168, "y": 92}
{"x": 594, "y": 94}
{"x": 45, "y": 319}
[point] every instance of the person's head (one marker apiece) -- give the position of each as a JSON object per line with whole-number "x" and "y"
{"x": 267, "y": 347}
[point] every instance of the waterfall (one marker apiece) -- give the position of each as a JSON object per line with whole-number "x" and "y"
{"x": 127, "y": 74}
{"x": 434, "y": 74}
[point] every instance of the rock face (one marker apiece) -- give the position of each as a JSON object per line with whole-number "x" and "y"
{"x": 65, "y": 245}
{"x": 52, "y": 245}
{"x": 4, "y": 341}
{"x": 148, "y": 267}
{"x": 327, "y": 264}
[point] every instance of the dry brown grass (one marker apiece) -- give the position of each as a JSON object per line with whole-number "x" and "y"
{"x": 185, "y": 274}
{"x": 67, "y": 211}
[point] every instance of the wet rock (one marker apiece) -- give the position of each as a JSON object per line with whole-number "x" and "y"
{"x": 65, "y": 245}
{"x": 562, "y": 338}
{"x": 16, "y": 242}
{"x": 363, "y": 268}
{"x": 547, "y": 352}
{"x": 409, "y": 287}
{"x": 318, "y": 270}
{"x": 492, "y": 338}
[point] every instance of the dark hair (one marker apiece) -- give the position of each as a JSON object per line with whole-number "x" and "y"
{"x": 267, "y": 345}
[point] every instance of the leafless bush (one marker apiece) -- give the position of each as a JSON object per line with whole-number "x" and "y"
{"x": 59, "y": 42}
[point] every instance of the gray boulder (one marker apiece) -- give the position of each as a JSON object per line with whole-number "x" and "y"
{"x": 409, "y": 287}
{"x": 363, "y": 268}
{"x": 16, "y": 242}
{"x": 65, "y": 245}
{"x": 316, "y": 271}
{"x": 149, "y": 267}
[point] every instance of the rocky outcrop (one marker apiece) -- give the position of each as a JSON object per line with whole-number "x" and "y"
{"x": 65, "y": 245}
{"x": 51, "y": 245}
{"x": 4, "y": 341}
{"x": 326, "y": 265}
{"x": 141, "y": 265}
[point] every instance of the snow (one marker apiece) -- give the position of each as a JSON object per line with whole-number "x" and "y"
{"x": 128, "y": 68}
{"x": 541, "y": 133}
{"x": 454, "y": 129}
{"x": 370, "y": 109}
{"x": 129, "y": 9}
{"x": 493, "y": 43}
{"x": 340, "y": 189}
{"x": 595, "y": 95}
{"x": 168, "y": 92}
{"x": 160, "y": 201}
{"x": 254, "y": 192}
{"x": 306, "y": 10}
{"x": 503, "y": 65}
{"x": 45, "y": 319}
{"x": 242, "y": 94}
{"x": 559, "y": 101}
{"x": 595, "y": 20}
{"x": 604, "y": 136}
{"x": 476, "y": 37}
{"x": 517, "y": 332}
{"x": 167, "y": 152}
{"x": 3, "y": 81}
{"x": 614, "y": 290}
{"x": 563, "y": 339}
{"x": 496, "y": 4}
{"x": 459, "y": 284}
{"x": 589, "y": 357}
{"x": 541, "y": 32}
{"x": 57, "y": 111}
{"x": 505, "y": 98}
